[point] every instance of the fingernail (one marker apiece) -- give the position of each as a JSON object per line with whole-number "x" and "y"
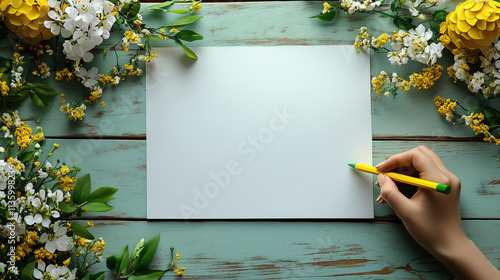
{"x": 380, "y": 164}
{"x": 381, "y": 179}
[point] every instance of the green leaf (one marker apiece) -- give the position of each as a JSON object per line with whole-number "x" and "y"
{"x": 403, "y": 23}
{"x": 102, "y": 194}
{"x": 393, "y": 6}
{"x": 5, "y": 65}
{"x": 27, "y": 272}
{"x": 86, "y": 277}
{"x": 119, "y": 258}
{"x": 188, "y": 35}
{"x": 188, "y": 52}
{"x": 123, "y": 260}
{"x": 136, "y": 254}
{"x": 26, "y": 156}
{"x": 138, "y": 248}
{"x": 148, "y": 252}
{"x": 39, "y": 100}
{"x": 147, "y": 274}
{"x": 81, "y": 231}
{"x": 18, "y": 96}
{"x": 178, "y": 11}
{"x": 184, "y": 21}
{"x": 45, "y": 90}
{"x": 111, "y": 263}
{"x": 326, "y": 16}
{"x": 134, "y": 10}
{"x": 435, "y": 26}
{"x": 66, "y": 208}
{"x": 440, "y": 15}
{"x": 82, "y": 189}
{"x": 97, "y": 276}
{"x": 160, "y": 6}
{"x": 97, "y": 206}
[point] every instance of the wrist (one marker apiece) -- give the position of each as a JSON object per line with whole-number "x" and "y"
{"x": 464, "y": 259}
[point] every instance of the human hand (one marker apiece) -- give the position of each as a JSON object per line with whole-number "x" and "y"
{"x": 432, "y": 218}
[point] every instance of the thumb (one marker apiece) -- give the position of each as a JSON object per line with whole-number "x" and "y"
{"x": 391, "y": 194}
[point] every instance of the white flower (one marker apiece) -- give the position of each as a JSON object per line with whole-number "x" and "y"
{"x": 417, "y": 39}
{"x": 39, "y": 270}
{"x": 58, "y": 241}
{"x": 430, "y": 54}
{"x": 412, "y": 7}
{"x": 398, "y": 57}
{"x": 89, "y": 78}
{"x": 58, "y": 196}
{"x": 29, "y": 189}
{"x": 2, "y": 150}
{"x": 41, "y": 174}
{"x": 5, "y": 167}
{"x": 467, "y": 119}
{"x": 30, "y": 220}
{"x": 476, "y": 82}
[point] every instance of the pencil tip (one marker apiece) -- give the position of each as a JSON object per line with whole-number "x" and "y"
{"x": 352, "y": 165}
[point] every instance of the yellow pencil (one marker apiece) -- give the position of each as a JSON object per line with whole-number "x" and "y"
{"x": 421, "y": 183}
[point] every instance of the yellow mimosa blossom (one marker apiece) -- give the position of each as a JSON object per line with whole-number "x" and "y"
{"x": 67, "y": 183}
{"x": 23, "y": 135}
{"x": 4, "y": 88}
{"x": 446, "y": 107}
{"x": 64, "y": 170}
{"x": 426, "y": 79}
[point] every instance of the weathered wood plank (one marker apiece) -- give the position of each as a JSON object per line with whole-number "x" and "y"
{"x": 271, "y": 24}
{"x": 122, "y": 164}
{"x": 293, "y": 250}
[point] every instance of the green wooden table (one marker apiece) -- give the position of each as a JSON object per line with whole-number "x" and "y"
{"x": 111, "y": 144}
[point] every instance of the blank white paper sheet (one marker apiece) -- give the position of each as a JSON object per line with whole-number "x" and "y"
{"x": 259, "y": 133}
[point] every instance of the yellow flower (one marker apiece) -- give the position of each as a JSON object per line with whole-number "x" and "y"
{"x": 474, "y": 24}
{"x": 26, "y": 19}
{"x": 446, "y": 107}
{"x": 426, "y": 79}
{"x": 23, "y": 135}
{"x": 64, "y": 170}
{"x": 38, "y": 137}
{"x": 4, "y": 88}
{"x": 195, "y": 6}
{"x": 67, "y": 183}
{"x": 326, "y": 8}
{"x": 174, "y": 30}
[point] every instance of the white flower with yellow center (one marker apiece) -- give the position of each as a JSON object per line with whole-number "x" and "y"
{"x": 58, "y": 240}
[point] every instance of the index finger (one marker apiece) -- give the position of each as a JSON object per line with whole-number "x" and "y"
{"x": 415, "y": 157}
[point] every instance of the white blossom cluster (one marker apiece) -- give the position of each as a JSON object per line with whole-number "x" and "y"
{"x": 414, "y": 45}
{"x": 353, "y": 6}
{"x": 486, "y": 81}
{"x": 84, "y": 24}
{"x": 59, "y": 272}
{"x": 414, "y": 5}
{"x": 10, "y": 118}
